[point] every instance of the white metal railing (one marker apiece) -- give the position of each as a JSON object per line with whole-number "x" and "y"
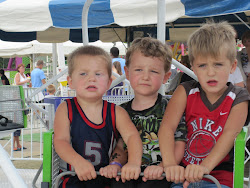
{"x": 122, "y": 90}
{"x": 38, "y": 97}
{"x": 37, "y": 124}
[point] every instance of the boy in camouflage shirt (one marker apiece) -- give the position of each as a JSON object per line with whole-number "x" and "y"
{"x": 148, "y": 63}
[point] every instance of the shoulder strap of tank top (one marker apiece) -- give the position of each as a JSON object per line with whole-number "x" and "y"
{"x": 70, "y": 113}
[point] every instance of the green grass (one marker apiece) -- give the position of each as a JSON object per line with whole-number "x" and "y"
{"x": 27, "y": 137}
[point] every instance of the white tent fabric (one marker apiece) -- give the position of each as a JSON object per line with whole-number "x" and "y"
{"x": 54, "y": 18}
{"x": 39, "y": 15}
{"x": 12, "y": 49}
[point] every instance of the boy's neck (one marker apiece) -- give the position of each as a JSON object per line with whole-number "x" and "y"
{"x": 213, "y": 98}
{"x": 143, "y": 102}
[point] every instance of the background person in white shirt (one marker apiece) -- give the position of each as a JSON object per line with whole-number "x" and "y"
{"x": 236, "y": 78}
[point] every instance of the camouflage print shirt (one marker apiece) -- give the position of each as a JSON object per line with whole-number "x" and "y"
{"x": 148, "y": 123}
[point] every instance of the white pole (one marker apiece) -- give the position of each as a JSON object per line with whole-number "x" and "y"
{"x": 10, "y": 171}
{"x": 85, "y": 11}
{"x": 54, "y": 58}
{"x": 184, "y": 69}
{"x": 161, "y": 29}
{"x": 119, "y": 79}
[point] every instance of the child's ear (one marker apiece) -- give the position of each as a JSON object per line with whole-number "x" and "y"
{"x": 234, "y": 65}
{"x": 69, "y": 79}
{"x": 166, "y": 77}
{"x": 126, "y": 72}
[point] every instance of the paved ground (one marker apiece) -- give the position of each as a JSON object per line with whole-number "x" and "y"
{"x": 28, "y": 164}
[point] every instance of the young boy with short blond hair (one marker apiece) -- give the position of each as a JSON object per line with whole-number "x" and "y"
{"x": 215, "y": 111}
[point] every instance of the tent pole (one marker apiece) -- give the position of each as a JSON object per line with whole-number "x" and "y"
{"x": 161, "y": 28}
{"x": 54, "y": 58}
{"x": 242, "y": 21}
{"x": 85, "y": 11}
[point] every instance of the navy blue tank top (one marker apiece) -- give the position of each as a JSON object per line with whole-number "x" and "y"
{"x": 94, "y": 142}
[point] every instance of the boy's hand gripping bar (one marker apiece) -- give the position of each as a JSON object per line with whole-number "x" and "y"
{"x": 119, "y": 173}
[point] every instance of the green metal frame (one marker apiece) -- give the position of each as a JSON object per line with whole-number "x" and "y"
{"x": 47, "y": 157}
{"x": 23, "y": 99}
{"x": 239, "y": 154}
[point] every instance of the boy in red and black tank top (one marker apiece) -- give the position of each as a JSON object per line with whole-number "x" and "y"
{"x": 215, "y": 111}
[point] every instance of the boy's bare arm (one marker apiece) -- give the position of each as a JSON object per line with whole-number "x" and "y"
{"x": 234, "y": 124}
{"x": 130, "y": 136}
{"x": 171, "y": 119}
{"x": 83, "y": 168}
{"x": 133, "y": 141}
{"x": 179, "y": 151}
{"x": 118, "y": 158}
{"x": 119, "y": 154}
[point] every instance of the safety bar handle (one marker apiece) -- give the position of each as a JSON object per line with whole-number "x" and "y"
{"x": 217, "y": 183}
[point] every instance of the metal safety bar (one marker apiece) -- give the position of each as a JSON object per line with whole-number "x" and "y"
{"x": 119, "y": 173}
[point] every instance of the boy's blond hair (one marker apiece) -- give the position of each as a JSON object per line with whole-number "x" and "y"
{"x": 91, "y": 51}
{"x": 151, "y": 47}
{"x": 210, "y": 39}
{"x": 51, "y": 88}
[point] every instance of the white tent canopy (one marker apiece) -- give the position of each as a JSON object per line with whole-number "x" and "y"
{"x": 12, "y": 49}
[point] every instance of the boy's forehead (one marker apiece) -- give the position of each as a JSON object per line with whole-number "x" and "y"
{"x": 138, "y": 54}
{"x": 221, "y": 57}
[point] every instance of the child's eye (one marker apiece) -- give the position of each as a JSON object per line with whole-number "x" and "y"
{"x": 218, "y": 64}
{"x": 138, "y": 69}
{"x": 98, "y": 74}
{"x": 202, "y": 65}
{"x": 155, "y": 71}
{"x": 83, "y": 74}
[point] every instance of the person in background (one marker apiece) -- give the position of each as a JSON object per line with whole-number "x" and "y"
{"x": 51, "y": 89}
{"x": 244, "y": 58}
{"x": 185, "y": 61}
{"x": 215, "y": 112}
{"x": 236, "y": 78}
{"x": 114, "y": 52}
{"x": 4, "y": 79}
{"x": 37, "y": 75}
{"x": 117, "y": 69}
{"x": 20, "y": 79}
{"x": 38, "y": 79}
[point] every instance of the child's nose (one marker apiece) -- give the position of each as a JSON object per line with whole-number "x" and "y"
{"x": 145, "y": 75}
{"x": 92, "y": 77}
{"x": 211, "y": 71}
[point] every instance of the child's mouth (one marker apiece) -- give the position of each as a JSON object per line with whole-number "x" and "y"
{"x": 212, "y": 82}
{"x": 91, "y": 87}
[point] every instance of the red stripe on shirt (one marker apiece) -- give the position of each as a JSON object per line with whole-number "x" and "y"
{"x": 70, "y": 110}
{"x": 85, "y": 119}
{"x": 113, "y": 119}
{"x": 65, "y": 182}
